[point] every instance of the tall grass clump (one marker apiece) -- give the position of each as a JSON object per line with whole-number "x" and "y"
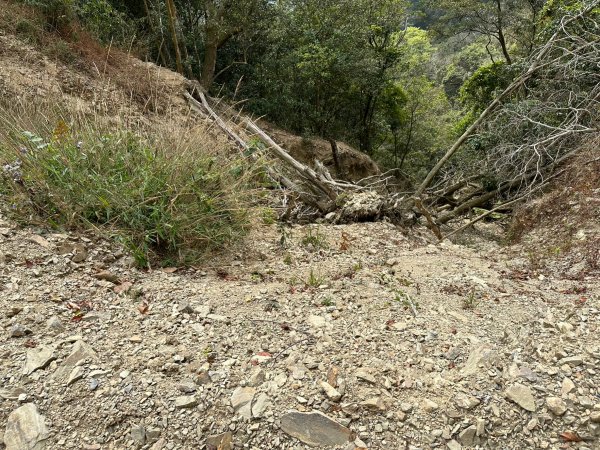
{"x": 167, "y": 199}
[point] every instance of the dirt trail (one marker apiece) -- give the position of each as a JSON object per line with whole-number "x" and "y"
{"x": 218, "y": 357}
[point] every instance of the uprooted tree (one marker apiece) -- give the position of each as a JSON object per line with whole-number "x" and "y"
{"x": 512, "y": 149}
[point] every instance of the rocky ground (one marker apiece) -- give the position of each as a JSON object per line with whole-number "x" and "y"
{"x": 353, "y": 336}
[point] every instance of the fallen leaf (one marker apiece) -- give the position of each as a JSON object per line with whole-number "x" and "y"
{"x": 570, "y": 436}
{"x": 123, "y": 287}
{"x": 40, "y": 241}
{"x": 143, "y": 308}
{"x": 30, "y": 343}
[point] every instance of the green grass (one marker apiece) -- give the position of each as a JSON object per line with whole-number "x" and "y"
{"x": 168, "y": 201}
{"x": 315, "y": 279}
{"x": 314, "y": 238}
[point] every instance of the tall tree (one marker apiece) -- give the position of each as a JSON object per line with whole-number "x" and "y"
{"x": 500, "y": 21}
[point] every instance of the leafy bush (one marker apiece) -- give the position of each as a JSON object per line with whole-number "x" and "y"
{"x": 98, "y": 17}
{"x": 105, "y": 22}
{"x": 165, "y": 201}
{"x": 57, "y": 13}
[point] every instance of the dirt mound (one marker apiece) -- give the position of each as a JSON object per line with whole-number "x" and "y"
{"x": 355, "y": 165}
{"x": 39, "y": 67}
{"x": 88, "y": 79}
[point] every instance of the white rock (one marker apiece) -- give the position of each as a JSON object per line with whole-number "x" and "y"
{"x": 185, "y": 401}
{"x": 331, "y": 392}
{"x": 241, "y": 401}
{"x": 25, "y": 429}
{"x": 556, "y": 405}
{"x": 260, "y": 405}
{"x": 429, "y": 405}
{"x": 567, "y": 386}
{"x": 75, "y": 375}
{"x": 316, "y": 321}
{"x": 38, "y": 358}
{"x": 522, "y": 396}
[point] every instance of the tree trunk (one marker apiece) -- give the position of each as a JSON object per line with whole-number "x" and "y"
{"x": 209, "y": 65}
{"x": 336, "y": 157}
{"x": 502, "y": 41}
{"x": 500, "y": 36}
{"x": 161, "y": 52}
{"x": 172, "y": 12}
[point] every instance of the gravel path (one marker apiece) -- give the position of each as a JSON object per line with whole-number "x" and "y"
{"x": 353, "y": 336}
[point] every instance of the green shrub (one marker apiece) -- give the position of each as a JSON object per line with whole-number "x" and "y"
{"x": 58, "y": 14}
{"x": 168, "y": 202}
{"x": 105, "y": 22}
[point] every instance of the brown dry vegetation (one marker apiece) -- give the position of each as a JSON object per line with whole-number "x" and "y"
{"x": 561, "y": 228}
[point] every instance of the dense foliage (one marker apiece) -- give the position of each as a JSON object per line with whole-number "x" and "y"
{"x": 397, "y": 79}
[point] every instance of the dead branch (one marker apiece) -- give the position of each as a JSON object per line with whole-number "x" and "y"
{"x": 502, "y": 205}
{"x": 431, "y": 223}
{"x": 305, "y": 172}
{"x": 538, "y": 62}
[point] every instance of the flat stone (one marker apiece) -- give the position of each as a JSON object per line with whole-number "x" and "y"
{"x": 429, "y": 405}
{"x": 522, "y": 396}
{"x": 185, "y": 307}
{"x": 25, "y": 429}
{"x": 105, "y": 275}
{"x": 152, "y": 435}
{"x": 467, "y": 436}
{"x": 315, "y": 429}
{"x": 38, "y": 358}
{"x": 241, "y": 401}
{"x": 257, "y": 378}
{"x": 364, "y": 374}
{"x": 260, "y": 405}
{"x": 453, "y": 445}
{"x": 80, "y": 353}
{"x": 75, "y": 375}
{"x": 375, "y": 403}
{"x": 203, "y": 310}
{"x": 217, "y": 318}
{"x": 54, "y": 323}
{"x": 332, "y": 393}
{"x": 220, "y": 441}
{"x": 480, "y": 427}
{"x": 465, "y": 401}
{"x": 17, "y": 331}
{"x": 595, "y": 417}
{"x": 556, "y": 405}
{"x": 481, "y": 356}
{"x": 138, "y": 434}
{"x": 572, "y": 361}
{"x": 185, "y": 401}
{"x": 567, "y": 386}
{"x": 187, "y": 386}
{"x": 316, "y": 321}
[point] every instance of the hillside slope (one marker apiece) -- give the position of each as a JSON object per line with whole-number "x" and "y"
{"x": 351, "y": 336}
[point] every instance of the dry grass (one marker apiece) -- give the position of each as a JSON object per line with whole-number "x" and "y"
{"x": 169, "y": 199}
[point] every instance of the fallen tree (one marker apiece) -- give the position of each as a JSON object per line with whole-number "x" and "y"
{"x": 533, "y": 126}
